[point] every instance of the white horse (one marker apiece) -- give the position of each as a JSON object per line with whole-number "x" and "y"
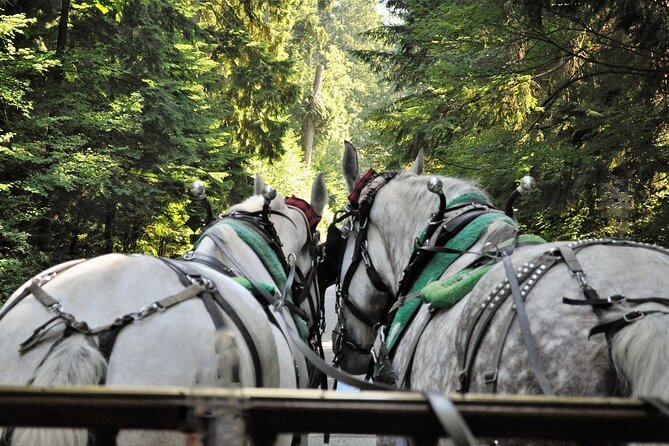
{"x": 180, "y": 323}
{"x": 476, "y": 343}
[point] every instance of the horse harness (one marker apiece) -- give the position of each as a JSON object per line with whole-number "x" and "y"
{"x": 439, "y": 230}
{"x": 360, "y": 202}
{"x": 517, "y": 285}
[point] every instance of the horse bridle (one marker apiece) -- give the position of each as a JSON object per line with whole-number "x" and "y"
{"x": 437, "y": 232}
{"x": 357, "y": 213}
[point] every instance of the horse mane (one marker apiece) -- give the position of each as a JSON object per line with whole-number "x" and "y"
{"x": 255, "y": 203}
{"x": 452, "y": 187}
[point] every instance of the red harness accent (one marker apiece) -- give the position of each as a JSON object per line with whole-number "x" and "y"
{"x": 312, "y": 217}
{"x": 354, "y": 196}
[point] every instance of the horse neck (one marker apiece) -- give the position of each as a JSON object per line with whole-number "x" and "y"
{"x": 220, "y": 241}
{"x": 253, "y": 259}
{"x": 402, "y": 209}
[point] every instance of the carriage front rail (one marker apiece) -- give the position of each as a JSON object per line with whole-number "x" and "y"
{"x": 267, "y": 412}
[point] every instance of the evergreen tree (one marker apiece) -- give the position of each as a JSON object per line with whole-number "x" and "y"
{"x": 145, "y": 97}
{"x": 571, "y": 92}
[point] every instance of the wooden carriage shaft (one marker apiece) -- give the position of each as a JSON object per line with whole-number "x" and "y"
{"x": 268, "y": 411}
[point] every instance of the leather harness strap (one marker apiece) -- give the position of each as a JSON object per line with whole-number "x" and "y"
{"x": 82, "y": 327}
{"x": 207, "y": 260}
{"x": 212, "y": 298}
{"x": 261, "y": 291}
{"x": 362, "y": 198}
{"x": 220, "y": 244}
{"x": 403, "y": 377}
{"x": 526, "y": 331}
{"x": 618, "y": 324}
{"x": 490, "y": 376}
{"x": 567, "y": 253}
{"x": 530, "y": 273}
{"x": 436, "y": 236}
{"x": 41, "y": 280}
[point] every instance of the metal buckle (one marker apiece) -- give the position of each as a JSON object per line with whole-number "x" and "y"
{"x": 580, "y": 276}
{"x": 147, "y": 310}
{"x": 188, "y": 255}
{"x": 197, "y": 279}
{"x": 41, "y": 280}
{"x": 379, "y": 343}
{"x": 633, "y": 316}
{"x": 280, "y": 302}
{"x": 56, "y": 308}
{"x": 490, "y": 376}
{"x": 365, "y": 255}
{"x": 616, "y": 298}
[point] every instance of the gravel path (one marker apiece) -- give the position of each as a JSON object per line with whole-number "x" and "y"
{"x": 336, "y": 439}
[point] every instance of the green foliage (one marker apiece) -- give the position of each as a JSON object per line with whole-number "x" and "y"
{"x": 328, "y": 33}
{"x": 100, "y": 140}
{"x": 572, "y": 93}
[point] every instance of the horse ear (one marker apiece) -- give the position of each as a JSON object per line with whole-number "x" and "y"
{"x": 350, "y": 165}
{"x": 319, "y": 194}
{"x": 419, "y": 164}
{"x": 258, "y": 185}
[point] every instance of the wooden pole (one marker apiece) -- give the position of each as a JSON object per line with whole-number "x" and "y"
{"x": 271, "y": 411}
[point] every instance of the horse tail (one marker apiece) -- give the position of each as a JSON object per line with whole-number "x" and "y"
{"x": 73, "y": 361}
{"x": 640, "y": 354}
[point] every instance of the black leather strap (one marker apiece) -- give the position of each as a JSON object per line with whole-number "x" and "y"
{"x": 209, "y": 261}
{"x": 482, "y": 318}
{"x": 525, "y": 329}
{"x": 617, "y": 324}
{"x": 491, "y": 376}
{"x": 218, "y": 320}
{"x": 437, "y": 235}
{"x": 617, "y": 298}
{"x": 403, "y": 377}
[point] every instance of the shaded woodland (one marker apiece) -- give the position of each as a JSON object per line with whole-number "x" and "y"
{"x": 110, "y": 108}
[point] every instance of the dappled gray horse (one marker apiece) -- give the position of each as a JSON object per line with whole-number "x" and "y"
{"x": 138, "y": 320}
{"x": 466, "y": 303}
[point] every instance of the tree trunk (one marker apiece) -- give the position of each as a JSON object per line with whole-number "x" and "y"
{"x": 62, "y": 36}
{"x": 74, "y": 238}
{"x": 310, "y": 127}
{"x": 109, "y": 225}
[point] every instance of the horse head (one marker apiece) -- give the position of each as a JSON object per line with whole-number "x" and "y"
{"x": 265, "y": 227}
{"x": 293, "y": 218}
{"x": 387, "y": 214}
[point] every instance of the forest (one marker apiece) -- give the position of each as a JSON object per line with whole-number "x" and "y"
{"x": 111, "y": 108}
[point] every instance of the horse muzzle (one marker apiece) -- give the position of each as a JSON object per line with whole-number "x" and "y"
{"x": 349, "y": 356}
